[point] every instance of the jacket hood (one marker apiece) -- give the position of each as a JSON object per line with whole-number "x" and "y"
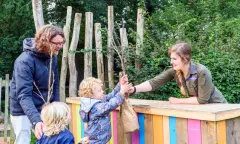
{"x": 86, "y": 106}
{"x": 30, "y": 45}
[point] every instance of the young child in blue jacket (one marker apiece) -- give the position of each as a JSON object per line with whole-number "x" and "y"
{"x": 96, "y": 107}
{"x": 56, "y": 116}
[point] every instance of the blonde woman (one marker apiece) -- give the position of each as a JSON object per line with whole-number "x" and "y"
{"x": 193, "y": 79}
{"x": 56, "y": 116}
{"x": 29, "y": 89}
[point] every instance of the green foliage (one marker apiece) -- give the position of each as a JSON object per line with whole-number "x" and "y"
{"x": 16, "y": 23}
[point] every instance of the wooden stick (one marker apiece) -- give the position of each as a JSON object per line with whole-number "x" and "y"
{"x": 6, "y": 107}
{"x": 124, "y": 46}
{"x": 110, "y": 47}
{"x": 139, "y": 42}
{"x": 64, "y": 66}
{"x": 37, "y": 13}
{"x": 88, "y": 44}
{"x": 71, "y": 56}
{"x": 98, "y": 42}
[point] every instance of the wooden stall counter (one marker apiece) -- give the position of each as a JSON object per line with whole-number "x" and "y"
{"x": 164, "y": 123}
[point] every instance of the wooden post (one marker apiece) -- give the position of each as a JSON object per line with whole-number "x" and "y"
{"x": 139, "y": 42}
{"x": 110, "y": 47}
{"x": 88, "y": 44}
{"x": 37, "y": 13}
{"x": 6, "y": 107}
{"x": 98, "y": 41}
{"x": 71, "y": 56}
{"x": 0, "y": 96}
{"x": 124, "y": 45}
{"x": 64, "y": 67}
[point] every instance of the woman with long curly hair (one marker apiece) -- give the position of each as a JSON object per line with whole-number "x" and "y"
{"x": 193, "y": 79}
{"x": 35, "y": 81}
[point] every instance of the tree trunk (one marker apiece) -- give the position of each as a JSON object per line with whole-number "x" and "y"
{"x": 88, "y": 45}
{"x": 37, "y": 13}
{"x": 139, "y": 42}
{"x": 64, "y": 66}
{"x": 98, "y": 42}
{"x": 124, "y": 47}
{"x": 6, "y": 126}
{"x": 71, "y": 56}
{"x": 110, "y": 47}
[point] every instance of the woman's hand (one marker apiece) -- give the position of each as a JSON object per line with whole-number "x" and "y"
{"x": 125, "y": 88}
{"x": 85, "y": 140}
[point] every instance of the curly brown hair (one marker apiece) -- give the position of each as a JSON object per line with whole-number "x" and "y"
{"x": 44, "y": 36}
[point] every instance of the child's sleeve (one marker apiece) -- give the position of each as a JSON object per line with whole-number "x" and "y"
{"x": 106, "y": 107}
{"x": 112, "y": 94}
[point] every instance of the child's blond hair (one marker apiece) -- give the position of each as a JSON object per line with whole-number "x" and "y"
{"x": 86, "y": 86}
{"x": 55, "y": 117}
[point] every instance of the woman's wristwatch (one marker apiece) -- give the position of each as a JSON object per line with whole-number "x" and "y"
{"x": 134, "y": 91}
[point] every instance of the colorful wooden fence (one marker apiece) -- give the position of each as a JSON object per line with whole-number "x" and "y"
{"x": 161, "y": 123}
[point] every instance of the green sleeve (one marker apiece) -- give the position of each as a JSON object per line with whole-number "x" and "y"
{"x": 205, "y": 86}
{"x": 162, "y": 78}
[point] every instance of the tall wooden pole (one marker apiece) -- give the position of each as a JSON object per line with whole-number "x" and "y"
{"x": 110, "y": 47}
{"x": 64, "y": 66}
{"x": 71, "y": 56}
{"x": 88, "y": 44}
{"x": 37, "y": 13}
{"x": 6, "y": 106}
{"x": 139, "y": 42}
{"x": 98, "y": 42}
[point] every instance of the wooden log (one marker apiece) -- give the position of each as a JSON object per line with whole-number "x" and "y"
{"x": 98, "y": 42}
{"x": 37, "y": 13}
{"x": 64, "y": 66}
{"x": 6, "y": 107}
{"x": 110, "y": 47}
{"x": 88, "y": 44}
{"x": 139, "y": 41}
{"x": 71, "y": 56}
{"x": 124, "y": 46}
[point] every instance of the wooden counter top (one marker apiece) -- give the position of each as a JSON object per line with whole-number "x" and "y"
{"x": 209, "y": 112}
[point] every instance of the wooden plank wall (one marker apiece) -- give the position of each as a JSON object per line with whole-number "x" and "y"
{"x": 157, "y": 129}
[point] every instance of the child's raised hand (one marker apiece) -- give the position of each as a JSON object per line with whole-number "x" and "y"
{"x": 125, "y": 88}
{"x": 123, "y": 80}
{"x": 85, "y": 140}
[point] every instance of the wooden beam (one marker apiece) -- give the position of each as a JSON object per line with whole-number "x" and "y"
{"x": 37, "y": 13}
{"x": 98, "y": 42}
{"x": 110, "y": 47}
{"x": 6, "y": 107}
{"x": 139, "y": 41}
{"x": 71, "y": 56}
{"x": 208, "y": 112}
{"x": 88, "y": 44}
{"x": 64, "y": 66}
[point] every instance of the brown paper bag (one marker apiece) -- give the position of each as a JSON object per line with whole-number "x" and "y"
{"x": 128, "y": 117}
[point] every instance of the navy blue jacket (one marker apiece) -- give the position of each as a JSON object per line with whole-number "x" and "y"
{"x": 64, "y": 137}
{"x": 31, "y": 66}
